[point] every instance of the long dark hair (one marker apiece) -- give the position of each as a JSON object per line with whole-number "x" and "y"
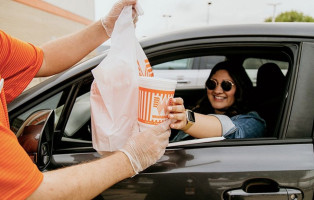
{"x": 242, "y": 96}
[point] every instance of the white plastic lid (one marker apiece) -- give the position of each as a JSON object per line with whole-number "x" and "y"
{"x": 157, "y": 83}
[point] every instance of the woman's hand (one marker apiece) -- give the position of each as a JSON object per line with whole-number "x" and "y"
{"x": 177, "y": 114}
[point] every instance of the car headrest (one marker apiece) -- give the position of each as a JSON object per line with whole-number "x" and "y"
{"x": 270, "y": 78}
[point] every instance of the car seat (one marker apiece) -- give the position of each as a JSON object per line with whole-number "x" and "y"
{"x": 270, "y": 85}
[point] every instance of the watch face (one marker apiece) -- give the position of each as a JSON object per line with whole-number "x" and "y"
{"x": 190, "y": 116}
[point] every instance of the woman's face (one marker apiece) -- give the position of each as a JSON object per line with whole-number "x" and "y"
{"x": 220, "y": 99}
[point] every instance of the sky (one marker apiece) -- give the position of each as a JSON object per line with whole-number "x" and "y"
{"x": 169, "y": 15}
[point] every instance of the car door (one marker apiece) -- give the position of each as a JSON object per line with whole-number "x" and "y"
{"x": 279, "y": 167}
{"x": 276, "y": 167}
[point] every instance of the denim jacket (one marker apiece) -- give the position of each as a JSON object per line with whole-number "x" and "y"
{"x": 249, "y": 125}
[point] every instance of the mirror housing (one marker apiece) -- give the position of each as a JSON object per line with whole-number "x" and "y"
{"x": 36, "y": 137}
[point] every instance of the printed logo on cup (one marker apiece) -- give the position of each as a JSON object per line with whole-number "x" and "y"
{"x": 147, "y": 71}
{"x": 153, "y": 105}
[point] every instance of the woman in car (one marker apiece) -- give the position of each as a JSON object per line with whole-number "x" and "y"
{"x": 223, "y": 111}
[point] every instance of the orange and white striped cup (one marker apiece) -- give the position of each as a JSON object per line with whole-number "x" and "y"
{"x": 154, "y": 94}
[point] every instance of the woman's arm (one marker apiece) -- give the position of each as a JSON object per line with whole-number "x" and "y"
{"x": 249, "y": 125}
{"x": 204, "y": 126}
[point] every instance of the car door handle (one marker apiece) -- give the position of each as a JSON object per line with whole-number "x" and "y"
{"x": 283, "y": 193}
{"x": 183, "y": 81}
{"x": 261, "y": 188}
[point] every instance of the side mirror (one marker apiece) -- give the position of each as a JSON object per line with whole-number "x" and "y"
{"x": 36, "y": 137}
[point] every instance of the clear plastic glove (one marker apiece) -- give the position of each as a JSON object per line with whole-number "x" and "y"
{"x": 109, "y": 21}
{"x": 145, "y": 148}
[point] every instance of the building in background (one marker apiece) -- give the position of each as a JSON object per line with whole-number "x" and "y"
{"x": 39, "y": 21}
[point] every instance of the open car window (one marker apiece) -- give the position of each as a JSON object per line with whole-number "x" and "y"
{"x": 269, "y": 107}
{"x": 77, "y": 126}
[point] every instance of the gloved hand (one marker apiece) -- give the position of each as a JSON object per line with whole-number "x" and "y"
{"x": 109, "y": 21}
{"x": 145, "y": 148}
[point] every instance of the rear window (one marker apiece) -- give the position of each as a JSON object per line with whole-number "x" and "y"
{"x": 251, "y": 66}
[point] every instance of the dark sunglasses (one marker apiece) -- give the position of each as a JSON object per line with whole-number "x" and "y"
{"x": 211, "y": 84}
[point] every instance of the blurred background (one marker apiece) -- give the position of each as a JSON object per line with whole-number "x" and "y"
{"x": 38, "y": 21}
{"x": 168, "y": 15}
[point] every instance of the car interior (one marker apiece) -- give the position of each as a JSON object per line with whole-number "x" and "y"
{"x": 266, "y": 67}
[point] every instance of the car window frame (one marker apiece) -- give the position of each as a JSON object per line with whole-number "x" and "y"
{"x": 246, "y": 141}
{"x": 82, "y": 83}
{"x": 301, "y": 109}
{"x": 156, "y": 52}
{"x": 279, "y": 140}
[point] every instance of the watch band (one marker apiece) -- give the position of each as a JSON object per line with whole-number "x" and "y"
{"x": 190, "y": 119}
{"x": 187, "y": 126}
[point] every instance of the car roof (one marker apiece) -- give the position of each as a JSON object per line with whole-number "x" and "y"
{"x": 304, "y": 30}
{"x": 295, "y": 30}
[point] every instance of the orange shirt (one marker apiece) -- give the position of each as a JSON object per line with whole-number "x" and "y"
{"x": 19, "y": 63}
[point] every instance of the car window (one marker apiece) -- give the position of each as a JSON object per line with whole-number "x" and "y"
{"x": 175, "y": 64}
{"x": 78, "y": 125}
{"x": 268, "y": 105}
{"x": 50, "y": 103}
{"x": 255, "y": 63}
{"x": 188, "y": 72}
{"x": 208, "y": 62}
{"x": 252, "y": 65}
{"x": 202, "y": 62}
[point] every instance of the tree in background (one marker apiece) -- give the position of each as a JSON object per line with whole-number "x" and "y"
{"x": 291, "y": 16}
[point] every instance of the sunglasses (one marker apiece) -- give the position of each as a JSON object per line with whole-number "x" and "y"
{"x": 211, "y": 84}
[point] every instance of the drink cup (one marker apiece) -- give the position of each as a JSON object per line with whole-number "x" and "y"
{"x": 154, "y": 94}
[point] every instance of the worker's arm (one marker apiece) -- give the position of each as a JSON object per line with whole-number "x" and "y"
{"x": 65, "y": 52}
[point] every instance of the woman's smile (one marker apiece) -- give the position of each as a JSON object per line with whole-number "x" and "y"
{"x": 220, "y": 99}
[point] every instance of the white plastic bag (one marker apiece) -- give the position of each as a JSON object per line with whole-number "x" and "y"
{"x": 114, "y": 92}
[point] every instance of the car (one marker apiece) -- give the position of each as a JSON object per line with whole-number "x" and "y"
{"x": 55, "y": 116}
{"x": 193, "y": 72}
{"x": 188, "y": 72}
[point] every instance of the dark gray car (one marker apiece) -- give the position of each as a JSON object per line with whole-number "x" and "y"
{"x": 279, "y": 165}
